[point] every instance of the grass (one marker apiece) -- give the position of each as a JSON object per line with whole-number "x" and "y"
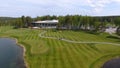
{"x": 50, "y": 53}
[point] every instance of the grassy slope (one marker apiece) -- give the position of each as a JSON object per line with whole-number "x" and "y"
{"x": 50, "y": 53}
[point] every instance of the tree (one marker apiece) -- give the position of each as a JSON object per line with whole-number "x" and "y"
{"x": 24, "y": 21}
{"x": 117, "y": 23}
{"x": 28, "y": 21}
{"x": 118, "y": 30}
{"x": 19, "y": 23}
{"x": 97, "y": 26}
{"x": 85, "y": 22}
{"x": 61, "y": 22}
{"x": 68, "y": 21}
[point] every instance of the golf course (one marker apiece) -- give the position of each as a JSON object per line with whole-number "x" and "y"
{"x": 64, "y": 48}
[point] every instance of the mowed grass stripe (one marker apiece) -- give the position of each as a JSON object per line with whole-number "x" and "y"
{"x": 61, "y": 62}
{"x": 65, "y": 57}
{"x": 36, "y": 34}
{"x": 56, "y": 56}
{"x": 84, "y": 50}
{"x": 77, "y": 36}
{"x": 58, "y": 35}
{"x": 29, "y": 35}
{"x": 77, "y": 57}
{"x": 74, "y": 36}
{"x": 71, "y": 55}
{"x": 80, "y": 51}
{"x": 68, "y": 35}
{"x": 49, "y": 56}
{"x": 44, "y": 58}
{"x": 43, "y": 62}
{"x": 91, "y": 50}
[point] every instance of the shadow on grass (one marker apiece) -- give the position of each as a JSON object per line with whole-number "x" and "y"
{"x": 88, "y": 31}
{"x": 113, "y": 37}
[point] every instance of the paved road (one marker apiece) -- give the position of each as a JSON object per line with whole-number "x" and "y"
{"x": 42, "y": 36}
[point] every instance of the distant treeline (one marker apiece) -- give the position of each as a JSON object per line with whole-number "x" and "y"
{"x": 72, "y": 22}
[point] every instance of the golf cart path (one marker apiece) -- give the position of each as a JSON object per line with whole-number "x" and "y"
{"x": 66, "y": 40}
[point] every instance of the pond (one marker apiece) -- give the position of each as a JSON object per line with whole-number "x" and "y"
{"x": 11, "y": 55}
{"x": 114, "y": 63}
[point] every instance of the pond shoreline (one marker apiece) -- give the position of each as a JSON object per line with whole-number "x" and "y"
{"x": 112, "y": 63}
{"x": 23, "y": 48}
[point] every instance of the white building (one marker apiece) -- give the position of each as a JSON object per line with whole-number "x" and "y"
{"x": 45, "y": 24}
{"x": 111, "y": 30}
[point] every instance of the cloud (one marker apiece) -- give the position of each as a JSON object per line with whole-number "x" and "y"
{"x": 55, "y": 7}
{"x": 99, "y": 5}
{"x": 96, "y": 6}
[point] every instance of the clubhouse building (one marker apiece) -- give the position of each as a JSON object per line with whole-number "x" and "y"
{"x": 45, "y": 24}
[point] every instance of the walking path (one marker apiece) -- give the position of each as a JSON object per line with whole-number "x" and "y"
{"x": 41, "y": 35}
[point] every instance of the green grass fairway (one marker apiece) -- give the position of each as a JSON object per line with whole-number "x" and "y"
{"x": 55, "y": 53}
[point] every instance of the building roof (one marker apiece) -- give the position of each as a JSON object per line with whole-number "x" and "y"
{"x": 47, "y": 21}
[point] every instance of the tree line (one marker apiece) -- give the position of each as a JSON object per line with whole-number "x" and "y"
{"x": 70, "y": 22}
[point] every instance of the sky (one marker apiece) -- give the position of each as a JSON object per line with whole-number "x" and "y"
{"x": 34, "y": 8}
